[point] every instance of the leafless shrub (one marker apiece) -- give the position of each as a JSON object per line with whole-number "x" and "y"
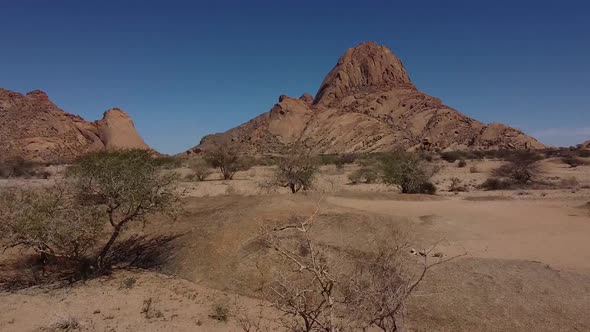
{"x": 149, "y": 310}
{"x": 317, "y": 288}
{"x": 252, "y": 322}
{"x": 65, "y": 323}
{"x": 456, "y": 185}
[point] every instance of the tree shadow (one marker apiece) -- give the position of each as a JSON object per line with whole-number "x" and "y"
{"x": 28, "y": 269}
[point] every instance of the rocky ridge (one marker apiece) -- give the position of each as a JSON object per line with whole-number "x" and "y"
{"x": 32, "y": 127}
{"x": 367, "y": 103}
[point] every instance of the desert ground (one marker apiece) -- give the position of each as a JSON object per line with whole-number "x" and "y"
{"x": 523, "y": 255}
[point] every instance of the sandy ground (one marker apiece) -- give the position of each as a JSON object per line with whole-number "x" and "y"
{"x": 527, "y": 263}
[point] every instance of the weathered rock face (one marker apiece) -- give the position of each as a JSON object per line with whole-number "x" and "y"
{"x": 34, "y": 128}
{"x": 117, "y": 131}
{"x": 367, "y": 103}
{"x": 585, "y": 145}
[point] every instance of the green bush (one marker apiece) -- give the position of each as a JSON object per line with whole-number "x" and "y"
{"x": 408, "y": 172}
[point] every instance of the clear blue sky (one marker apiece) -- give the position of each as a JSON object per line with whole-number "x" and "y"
{"x": 184, "y": 69}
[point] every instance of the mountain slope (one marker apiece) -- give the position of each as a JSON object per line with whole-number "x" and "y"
{"x": 34, "y": 128}
{"x": 368, "y": 103}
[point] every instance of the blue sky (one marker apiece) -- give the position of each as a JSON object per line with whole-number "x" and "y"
{"x": 184, "y": 69}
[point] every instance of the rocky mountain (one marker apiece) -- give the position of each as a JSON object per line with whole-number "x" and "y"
{"x": 368, "y": 103}
{"x": 585, "y": 145}
{"x": 34, "y": 128}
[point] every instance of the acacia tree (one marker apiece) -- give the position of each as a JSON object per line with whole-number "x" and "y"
{"x": 128, "y": 185}
{"x": 522, "y": 168}
{"x": 408, "y": 172}
{"x": 226, "y": 157}
{"x": 296, "y": 169}
{"x": 49, "y": 221}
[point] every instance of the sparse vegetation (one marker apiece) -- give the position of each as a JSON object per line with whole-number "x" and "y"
{"x": 200, "y": 169}
{"x": 220, "y": 312}
{"x": 495, "y": 184}
{"x": 364, "y": 174}
{"x": 462, "y": 163}
{"x": 456, "y": 185}
{"x": 522, "y": 168}
{"x": 573, "y": 161}
{"x": 20, "y": 168}
{"x": 296, "y": 170}
{"x": 451, "y": 156}
{"x": 107, "y": 191}
{"x": 408, "y": 172}
{"x": 128, "y": 283}
{"x": 226, "y": 157}
{"x": 318, "y": 289}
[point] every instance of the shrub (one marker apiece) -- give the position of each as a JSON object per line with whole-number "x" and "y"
{"x": 569, "y": 183}
{"x": 225, "y": 156}
{"x": 522, "y": 167}
{"x": 50, "y": 222}
{"x": 408, "y": 172}
{"x": 20, "y": 168}
{"x": 344, "y": 159}
{"x": 220, "y": 312}
{"x": 168, "y": 162}
{"x": 473, "y": 169}
{"x": 495, "y": 184}
{"x": 200, "y": 169}
{"x": 364, "y": 175}
{"x": 296, "y": 169}
{"x": 128, "y": 185}
{"x": 451, "y": 156}
{"x": 462, "y": 163}
{"x": 573, "y": 161}
{"x": 456, "y": 185}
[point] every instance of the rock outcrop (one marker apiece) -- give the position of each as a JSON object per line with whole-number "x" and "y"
{"x": 34, "y": 128}
{"x": 367, "y": 103}
{"x": 585, "y": 145}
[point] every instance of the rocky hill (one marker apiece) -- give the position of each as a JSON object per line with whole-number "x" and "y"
{"x": 368, "y": 103}
{"x": 585, "y": 145}
{"x": 34, "y": 128}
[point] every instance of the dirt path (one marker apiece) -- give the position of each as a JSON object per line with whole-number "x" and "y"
{"x": 553, "y": 232}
